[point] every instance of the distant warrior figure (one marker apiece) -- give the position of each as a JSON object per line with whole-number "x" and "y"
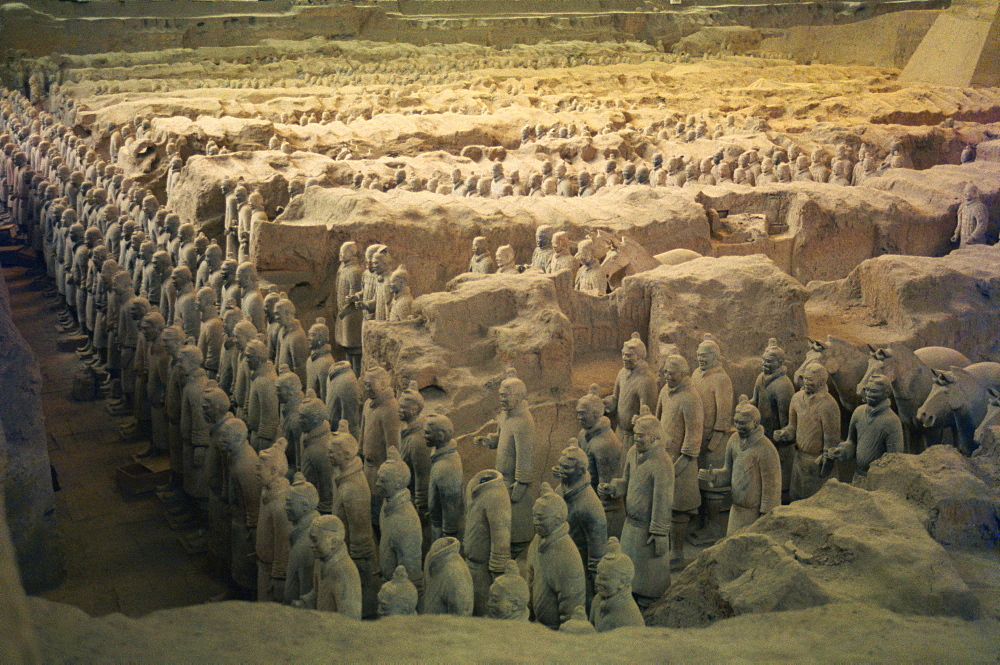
{"x": 481, "y": 261}
{"x": 543, "y": 251}
{"x": 589, "y": 277}
{"x": 347, "y": 331}
{"x": 973, "y": 220}
{"x": 751, "y": 467}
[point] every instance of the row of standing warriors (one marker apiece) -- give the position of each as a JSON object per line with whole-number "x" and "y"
{"x": 315, "y": 482}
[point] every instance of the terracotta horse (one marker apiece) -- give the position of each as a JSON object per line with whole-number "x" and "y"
{"x": 962, "y": 394}
{"x": 910, "y": 373}
{"x": 623, "y": 256}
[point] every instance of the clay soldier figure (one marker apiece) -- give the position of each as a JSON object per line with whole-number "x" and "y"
{"x": 336, "y": 583}
{"x": 401, "y": 308}
{"x": 272, "y": 523}
{"x": 243, "y": 334}
{"x": 613, "y": 605}
{"x": 544, "y": 251}
{"x": 320, "y": 358}
{"x": 973, "y": 219}
{"x": 315, "y": 459}
{"x": 230, "y": 354}
{"x": 155, "y": 275}
{"x": 251, "y": 299}
{"x": 226, "y": 287}
{"x": 751, "y": 467}
{"x": 398, "y": 596}
{"x": 772, "y": 395}
{"x": 347, "y": 331}
{"x": 515, "y": 446}
{"x": 562, "y": 258}
{"x": 604, "y": 452}
{"x": 487, "y": 532}
{"x": 715, "y": 388}
{"x": 814, "y": 427}
{"x": 244, "y": 502}
{"x": 194, "y": 427}
{"x": 588, "y": 526}
{"x": 369, "y": 283}
{"x": 231, "y": 218}
{"x": 209, "y": 267}
{"x": 215, "y": 409}
{"x": 353, "y": 505}
{"x": 157, "y": 366}
{"x": 211, "y": 335}
{"x": 647, "y": 485}
{"x": 554, "y": 570}
{"x": 481, "y": 262}
{"x": 343, "y": 396}
{"x": 173, "y": 339}
{"x": 274, "y": 330}
{"x": 401, "y": 539}
{"x": 449, "y": 583}
{"x": 262, "y": 396}
{"x": 300, "y": 509}
{"x": 185, "y": 310}
{"x": 634, "y": 386}
{"x": 290, "y": 397}
{"x": 413, "y": 446}
{"x": 379, "y": 424}
{"x": 293, "y": 346}
{"x": 446, "y": 506}
{"x": 681, "y": 414}
{"x": 509, "y": 596}
{"x": 506, "y": 261}
{"x": 589, "y": 278}
{"x": 874, "y": 430}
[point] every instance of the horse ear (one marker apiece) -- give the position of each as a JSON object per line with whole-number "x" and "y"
{"x": 872, "y": 350}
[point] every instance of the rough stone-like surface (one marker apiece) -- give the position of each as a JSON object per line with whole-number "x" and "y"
{"x": 19, "y": 643}
{"x": 917, "y": 301}
{"x": 743, "y": 301}
{"x": 844, "y": 544}
{"x": 198, "y": 199}
{"x": 30, "y": 504}
{"x": 962, "y": 48}
{"x": 220, "y": 633}
{"x": 962, "y": 509}
{"x": 431, "y": 234}
{"x": 468, "y": 336}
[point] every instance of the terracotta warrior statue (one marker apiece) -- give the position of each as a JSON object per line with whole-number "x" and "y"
{"x": 272, "y": 523}
{"x": 515, "y": 446}
{"x": 681, "y": 414}
{"x": 509, "y": 596}
{"x": 320, "y": 358}
{"x": 487, "y": 532}
{"x": 244, "y": 504}
{"x": 752, "y": 469}
{"x": 315, "y": 459}
{"x": 449, "y": 582}
{"x": 588, "y": 526}
{"x": 973, "y": 219}
{"x": 300, "y": 509}
{"x": 445, "y": 503}
{"x": 647, "y": 486}
{"x": 613, "y": 605}
{"x": 481, "y": 261}
{"x": 554, "y": 569}
{"x": 604, "y": 452}
{"x": 413, "y": 446}
{"x": 772, "y": 395}
{"x": 814, "y": 427}
{"x": 293, "y": 346}
{"x": 347, "y": 330}
{"x": 398, "y": 596}
{"x": 634, "y": 386}
{"x": 711, "y": 382}
{"x": 875, "y": 429}
{"x": 353, "y": 505}
{"x": 336, "y": 583}
{"x": 401, "y": 534}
